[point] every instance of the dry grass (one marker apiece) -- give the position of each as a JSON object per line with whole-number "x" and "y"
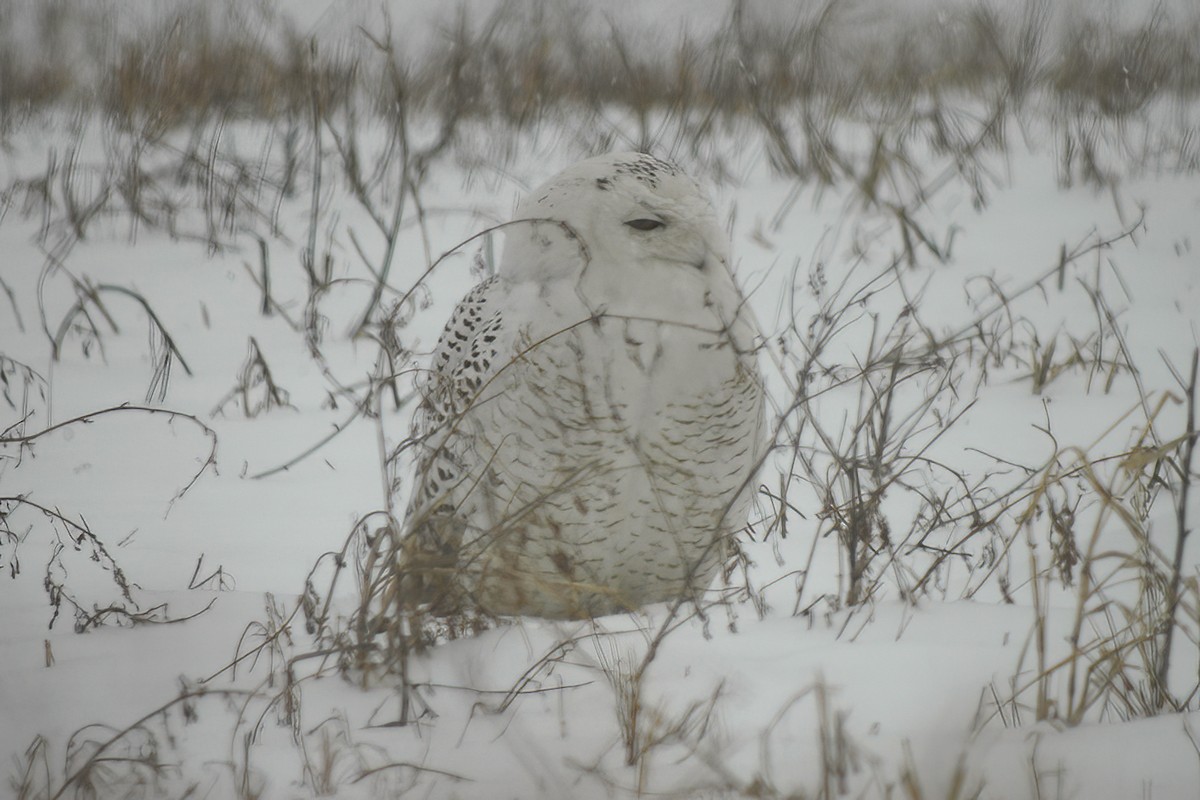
{"x": 527, "y": 62}
{"x": 1134, "y": 601}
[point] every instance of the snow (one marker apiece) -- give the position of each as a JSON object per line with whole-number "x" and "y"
{"x": 817, "y": 703}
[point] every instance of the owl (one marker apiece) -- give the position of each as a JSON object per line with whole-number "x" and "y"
{"x": 593, "y": 416}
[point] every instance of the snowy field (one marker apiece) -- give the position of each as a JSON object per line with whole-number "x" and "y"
{"x": 966, "y": 574}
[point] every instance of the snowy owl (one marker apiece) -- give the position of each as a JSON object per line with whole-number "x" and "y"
{"x": 593, "y": 415}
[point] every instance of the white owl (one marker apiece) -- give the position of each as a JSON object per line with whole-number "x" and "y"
{"x": 593, "y": 415}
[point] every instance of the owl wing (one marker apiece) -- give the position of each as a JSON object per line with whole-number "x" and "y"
{"x": 465, "y": 359}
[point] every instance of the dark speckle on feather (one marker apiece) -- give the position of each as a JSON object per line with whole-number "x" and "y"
{"x": 647, "y": 169}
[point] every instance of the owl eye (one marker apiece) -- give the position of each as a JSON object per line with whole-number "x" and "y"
{"x": 645, "y": 224}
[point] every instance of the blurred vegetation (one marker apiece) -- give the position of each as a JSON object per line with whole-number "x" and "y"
{"x": 524, "y": 61}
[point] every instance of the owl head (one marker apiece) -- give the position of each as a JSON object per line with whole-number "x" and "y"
{"x": 634, "y": 233}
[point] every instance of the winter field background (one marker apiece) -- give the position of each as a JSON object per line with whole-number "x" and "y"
{"x": 229, "y": 235}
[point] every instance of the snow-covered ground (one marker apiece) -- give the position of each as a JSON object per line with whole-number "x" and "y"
{"x": 920, "y": 691}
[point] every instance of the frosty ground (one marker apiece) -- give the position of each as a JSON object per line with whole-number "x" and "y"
{"x": 984, "y": 350}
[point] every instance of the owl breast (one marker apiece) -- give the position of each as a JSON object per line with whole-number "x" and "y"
{"x": 623, "y": 480}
